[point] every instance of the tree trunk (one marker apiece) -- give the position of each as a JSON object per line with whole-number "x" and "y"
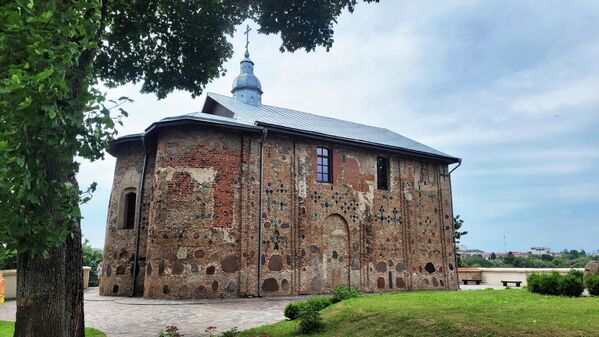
{"x": 40, "y": 294}
{"x": 74, "y": 319}
{"x": 50, "y": 290}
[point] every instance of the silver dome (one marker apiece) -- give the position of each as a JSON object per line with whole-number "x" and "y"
{"x": 246, "y": 86}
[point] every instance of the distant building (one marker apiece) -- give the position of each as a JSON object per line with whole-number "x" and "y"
{"x": 516, "y": 254}
{"x": 540, "y": 251}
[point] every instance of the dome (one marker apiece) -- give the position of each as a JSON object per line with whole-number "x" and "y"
{"x": 246, "y": 86}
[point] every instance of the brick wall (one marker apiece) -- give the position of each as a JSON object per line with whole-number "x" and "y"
{"x": 203, "y": 219}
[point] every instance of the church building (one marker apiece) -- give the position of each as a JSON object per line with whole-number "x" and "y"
{"x": 247, "y": 199}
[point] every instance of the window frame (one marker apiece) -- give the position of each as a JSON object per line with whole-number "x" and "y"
{"x": 320, "y": 167}
{"x": 124, "y": 216}
{"x": 386, "y": 173}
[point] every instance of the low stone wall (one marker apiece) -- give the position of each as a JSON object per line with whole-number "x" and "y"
{"x": 494, "y": 276}
{"x": 10, "y": 281}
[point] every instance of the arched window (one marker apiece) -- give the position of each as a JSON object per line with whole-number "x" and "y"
{"x": 129, "y": 210}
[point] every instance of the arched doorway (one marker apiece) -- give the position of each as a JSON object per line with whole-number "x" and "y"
{"x": 336, "y": 257}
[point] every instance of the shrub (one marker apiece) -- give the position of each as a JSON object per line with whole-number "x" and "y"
{"x": 546, "y": 284}
{"x": 231, "y": 332}
{"x": 341, "y": 293}
{"x": 170, "y": 331}
{"x": 592, "y": 284}
{"x": 571, "y": 284}
{"x": 318, "y": 303}
{"x": 292, "y": 310}
{"x": 309, "y": 316}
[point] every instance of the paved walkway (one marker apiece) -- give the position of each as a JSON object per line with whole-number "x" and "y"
{"x": 138, "y": 317}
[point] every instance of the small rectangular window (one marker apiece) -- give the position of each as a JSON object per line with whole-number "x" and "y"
{"x": 323, "y": 165}
{"x": 382, "y": 173}
{"x": 129, "y": 216}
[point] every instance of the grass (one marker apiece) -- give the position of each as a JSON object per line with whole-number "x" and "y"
{"x": 7, "y": 329}
{"x": 456, "y": 313}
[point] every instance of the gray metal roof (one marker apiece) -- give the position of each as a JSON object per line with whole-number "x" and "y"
{"x": 256, "y": 117}
{"x": 267, "y": 115}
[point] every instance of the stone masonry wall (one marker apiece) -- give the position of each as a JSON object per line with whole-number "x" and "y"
{"x": 196, "y": 248}
{"x": 204, "y": 214}
{"x": 319, "y": 235}
{"x": 119, "y": 248}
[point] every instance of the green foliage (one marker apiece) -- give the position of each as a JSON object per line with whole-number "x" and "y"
{"x": 170, "y": 331}
{"x": 592, "y": 284}
{"x": 292, "y": 310}
{"x": 545, "y": 284}
{"x": 92, "y": 258}
{"x": 8, "y": 258}
{"x": 49, "y": 114}
{"x": 457, "y": 225}
{"x": 159, "y": 43}
{"x": 309, "y": 314}
{"x": 570, "y": 284}
{"x": 342, "y": 292}
{"x": 231, "y": 332}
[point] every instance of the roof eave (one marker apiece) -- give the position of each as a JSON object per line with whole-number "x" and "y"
{"x": 361, "y": 143}
{"x": 112, "y": 149}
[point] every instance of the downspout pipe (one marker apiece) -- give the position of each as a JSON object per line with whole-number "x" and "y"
{"x": 261, "y": 221}
{"x": 455, "y": 250}
{"x": 138, "y": 223}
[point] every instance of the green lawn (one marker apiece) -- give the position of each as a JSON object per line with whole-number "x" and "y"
{"x": 8, "y": 328}
{"x": 456, "y": 313}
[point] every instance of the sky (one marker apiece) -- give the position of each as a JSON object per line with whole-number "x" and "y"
{"x": 511, "y": 87}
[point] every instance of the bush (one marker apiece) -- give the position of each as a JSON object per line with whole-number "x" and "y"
{"x": 231, "y": 332}
{"x": 571, "y": 284}
{"x": 592, "y": 284}
{"x": 309, "y": 316}
{"x": 292, "y": 310}
{"x": 341, "y": 293}
{"x": 546, "y": 284}
{"x": 318, "y": 303}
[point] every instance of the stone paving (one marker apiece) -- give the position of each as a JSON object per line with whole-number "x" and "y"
{"x": 138, "y": 317}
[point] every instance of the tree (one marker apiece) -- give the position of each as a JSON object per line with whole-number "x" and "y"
{"x": 92, "y": 258}
{"x": 457, "y": 224}
{"x": 493, "y": 256}
{"x": 52, "y": 53}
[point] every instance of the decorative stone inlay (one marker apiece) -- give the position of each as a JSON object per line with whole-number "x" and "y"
{"x": 355, "y": 263}
{"x": 178, "y": 268}
{"x": 381, "y": 267}
{"x": 430, "y": 267}
{"x": 229, "y": 264}
{"x": 182, "y": 253}
{"x": 200, "y": 253}
{"x": 285, "y": 284}
{"x": 183, "y": 292}
{"x": 231, "y": 286}
{"x": 275, "y": 263}
{"x": 270, "y": 284}
{"x": 316, "y": 283}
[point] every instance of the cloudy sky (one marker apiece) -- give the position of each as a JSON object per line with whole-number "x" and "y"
{"x": 512, "y": 87}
